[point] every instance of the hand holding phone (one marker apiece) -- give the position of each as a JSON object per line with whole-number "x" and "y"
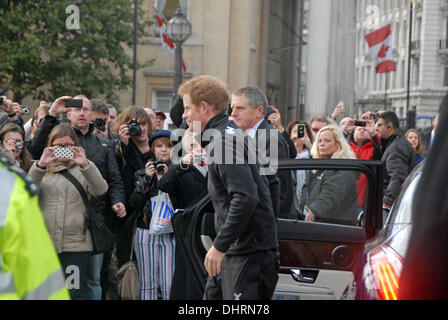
{"x": 300, "y": 130}
{"x": 64, "y": 153}
{"x": 73, "y": 103}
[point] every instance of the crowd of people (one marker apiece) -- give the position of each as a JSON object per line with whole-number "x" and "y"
{"x": 124, "y": 163}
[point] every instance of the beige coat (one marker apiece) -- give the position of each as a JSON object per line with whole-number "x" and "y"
{"x": 63, "y": 208}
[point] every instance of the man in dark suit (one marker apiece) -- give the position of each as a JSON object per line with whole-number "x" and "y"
{"x": 248, "y": 111}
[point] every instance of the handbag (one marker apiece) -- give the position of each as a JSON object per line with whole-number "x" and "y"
{"x": 128, "y": 276}
{"x": 102, "y": 237}
{"x": 161, "y": 214}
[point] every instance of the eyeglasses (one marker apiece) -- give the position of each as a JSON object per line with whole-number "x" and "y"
{"x": 78, "y": 110}
{"x": 68, "y": 145}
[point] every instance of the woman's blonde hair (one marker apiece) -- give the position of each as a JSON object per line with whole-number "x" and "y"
{"x": 419, "y": 148}
{"x": 343, "y": 148}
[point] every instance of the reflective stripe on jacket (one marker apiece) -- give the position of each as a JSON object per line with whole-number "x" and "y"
{"x": 29, "y": 266}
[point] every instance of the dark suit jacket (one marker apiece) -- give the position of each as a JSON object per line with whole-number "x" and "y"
{"x": 286, "y": 188}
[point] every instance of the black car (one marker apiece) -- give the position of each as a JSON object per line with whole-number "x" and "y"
{"x": 317, "y": 260}
{"x": 378, "y": 274}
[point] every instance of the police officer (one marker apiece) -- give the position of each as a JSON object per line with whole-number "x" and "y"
{"x": 29, "y": 266}
{"x": 242, "y": 262}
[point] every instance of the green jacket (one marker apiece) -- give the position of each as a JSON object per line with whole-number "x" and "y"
{"x": 29, "y": 266}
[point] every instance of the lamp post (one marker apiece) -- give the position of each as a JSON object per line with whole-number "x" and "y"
{"x": 179, "y": 30}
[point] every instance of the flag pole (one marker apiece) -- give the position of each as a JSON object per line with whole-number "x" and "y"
{"x": 385, "y": 92}
{"x": 134, "y": 66}
{"x": 408, "y": 114}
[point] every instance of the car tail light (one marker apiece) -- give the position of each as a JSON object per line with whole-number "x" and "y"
{"x": 386, "y": 266}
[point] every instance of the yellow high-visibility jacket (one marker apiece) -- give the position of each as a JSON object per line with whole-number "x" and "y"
{"x": 29, "y": 266}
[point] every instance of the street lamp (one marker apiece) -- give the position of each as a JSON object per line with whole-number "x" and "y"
{"x": 178, "y": 29}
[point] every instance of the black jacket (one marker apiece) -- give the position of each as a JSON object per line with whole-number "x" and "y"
{"x": 98, "y": 150}
{"x": 286, "y": 192}
{"x": 244, "y": 218}
{"x": 398, "y": 161}
{"x": 183, "y": 185}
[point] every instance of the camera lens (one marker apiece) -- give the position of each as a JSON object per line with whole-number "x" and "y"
{"x": 25, "y": 109}
{"x": 100, "y": 124}
{"x": 19, "y": 145}
{"x": 160, "y": 169}
{"x": 134, "y": 128}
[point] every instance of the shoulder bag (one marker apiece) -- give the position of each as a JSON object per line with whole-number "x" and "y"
{"x": 102, "y": 237}
{"x": 128, "y": 276}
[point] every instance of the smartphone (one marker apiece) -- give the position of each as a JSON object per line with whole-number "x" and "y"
{"x": 300, "y": 130}
{"x": 360, "y": 123}
{"x": 73, "y": 103}
{"x": 64, "y": 153}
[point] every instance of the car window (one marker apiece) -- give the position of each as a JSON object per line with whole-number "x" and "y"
{"x": 328, "y": 196}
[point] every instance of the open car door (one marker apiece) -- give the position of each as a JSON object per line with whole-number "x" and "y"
{"x": 317, "y": 259}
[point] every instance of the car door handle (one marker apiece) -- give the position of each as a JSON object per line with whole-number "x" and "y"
{"x": 299, "y": 275}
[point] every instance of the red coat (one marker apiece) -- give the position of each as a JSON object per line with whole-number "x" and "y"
{"x": 369, "y": 150}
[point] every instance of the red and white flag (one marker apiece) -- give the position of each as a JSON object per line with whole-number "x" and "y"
{"x": 380, "y": 44}
{"x": 167, "y": 43}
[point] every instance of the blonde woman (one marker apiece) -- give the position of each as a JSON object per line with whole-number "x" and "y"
{"x": 330, "y": 195}
{"x": 416, "y": 142}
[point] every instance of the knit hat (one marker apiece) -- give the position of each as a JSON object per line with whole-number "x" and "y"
{"x": 159, "y": 134}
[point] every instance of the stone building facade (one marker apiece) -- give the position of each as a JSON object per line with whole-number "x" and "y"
{"x": 242, "y": 42}
{"x": 429, "y": 64}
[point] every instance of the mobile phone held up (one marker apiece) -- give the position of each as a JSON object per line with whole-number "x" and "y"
{"x": 360, "y": 123}
{"x": 73, "y": 103}
{"x": 300, "y": 130}
{"x": 66, "y": 153}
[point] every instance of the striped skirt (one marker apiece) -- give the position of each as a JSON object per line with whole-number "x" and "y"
{"x": 155, "y": 258}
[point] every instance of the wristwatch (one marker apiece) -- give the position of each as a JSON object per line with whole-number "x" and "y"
{"x": 40, "y": 167}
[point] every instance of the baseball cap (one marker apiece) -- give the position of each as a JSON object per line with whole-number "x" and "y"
{"x": 158, "y": 112}
{"x": 159, "y": 134}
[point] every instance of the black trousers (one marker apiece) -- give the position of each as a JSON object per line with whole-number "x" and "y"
{"x": 246, "y": 277}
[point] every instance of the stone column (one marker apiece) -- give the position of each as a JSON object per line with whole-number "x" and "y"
{"x": 318, "y": 52}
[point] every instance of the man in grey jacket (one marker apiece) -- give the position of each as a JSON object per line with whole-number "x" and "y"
{"x": 398, "y": 156}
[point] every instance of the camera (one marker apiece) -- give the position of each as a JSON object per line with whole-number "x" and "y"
{"x": 200, "y": 157}
{"x": 269, "y": 111}
{"x": 159, "y": 164}
{"x": 300, "y": 130}
{"x": 99, "y": 123}
{"x": 19, "y": 145}
{"x": 360, "y": 123}
{"x": 25, "y": 109}
{"x": 134, "y": 128}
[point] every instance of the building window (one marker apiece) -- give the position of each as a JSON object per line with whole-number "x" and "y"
{"x": 445, "y": 75}
{"x": 163, "y": 100}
